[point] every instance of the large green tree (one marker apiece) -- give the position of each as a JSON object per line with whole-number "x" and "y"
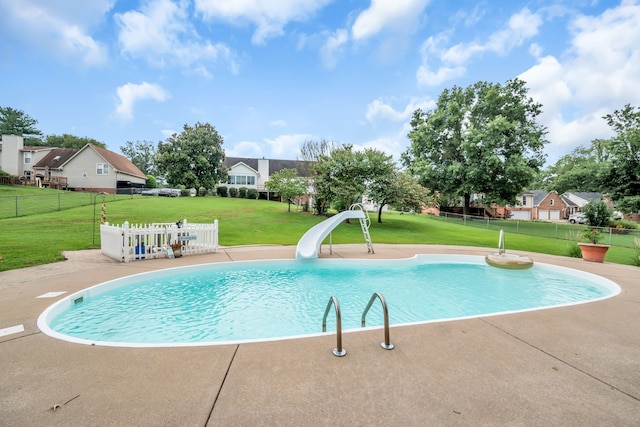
{"x": 311, "y": 152}
{"x": 621, "y": 156}
{"x": 193, "y": 157}
{"x": 399, "y": 190}
{"x": 142, "y": 154}
{"x": 573, "y": 172}
{"x": 480, "y": 139}
{"x": 287, "y": 184}
{"x": 17, "y": 122}
{"x": 343, "y": 176}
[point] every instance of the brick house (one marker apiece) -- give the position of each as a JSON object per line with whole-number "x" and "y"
{"x": 540, "y": 205}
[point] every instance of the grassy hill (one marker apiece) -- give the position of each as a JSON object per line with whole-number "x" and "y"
{"x": 40, "y": 238}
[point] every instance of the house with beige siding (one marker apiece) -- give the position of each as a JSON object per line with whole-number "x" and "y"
{"x": 90, "y": 168}
{"x": 18, "y": 159}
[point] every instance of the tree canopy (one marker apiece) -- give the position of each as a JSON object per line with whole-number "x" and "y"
{"x": 399, "y": 190}
{"x": 481, "y": 139}
{"x": 17, "y": 122}
{"x": 142, "y": 154}
{"x": 620, "y": 175}
{"x": 287, "y": 184}
{"x": 70, "y": 141}
{"x": 193, "y": 157}
{"x": 343, "y": 176}
{"x": 312, "y": 152}
{"x": 572, "y": 172}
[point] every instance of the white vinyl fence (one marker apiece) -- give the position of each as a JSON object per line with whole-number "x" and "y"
{"x": 136, "y": 242}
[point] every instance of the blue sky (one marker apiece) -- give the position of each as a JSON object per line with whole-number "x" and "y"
{"x": 270, "y": 74}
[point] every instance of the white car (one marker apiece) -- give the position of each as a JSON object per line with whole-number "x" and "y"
{"x": 578, "y": 218}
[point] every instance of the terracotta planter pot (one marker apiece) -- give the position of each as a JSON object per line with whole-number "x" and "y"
{"x": 593, "y": 252}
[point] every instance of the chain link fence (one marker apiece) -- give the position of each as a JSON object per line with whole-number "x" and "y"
{"x": 555, "y": 230}
{"x": 15, "y": 206}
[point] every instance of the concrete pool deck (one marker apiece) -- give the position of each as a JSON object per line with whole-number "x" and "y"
{"x": 569, "y": 366}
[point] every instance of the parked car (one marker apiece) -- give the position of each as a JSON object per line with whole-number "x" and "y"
{"x": 578, "y": 218}
{"x": 169, "y": 192}
{"x": 150, "y": 192}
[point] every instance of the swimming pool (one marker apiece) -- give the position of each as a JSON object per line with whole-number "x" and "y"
{"x": 224, "y": 303}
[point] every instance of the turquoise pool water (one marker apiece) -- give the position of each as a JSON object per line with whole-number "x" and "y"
{"x": 262, "y": 300}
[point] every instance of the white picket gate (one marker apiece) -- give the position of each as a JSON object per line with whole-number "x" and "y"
{"x": 136, "y": 242}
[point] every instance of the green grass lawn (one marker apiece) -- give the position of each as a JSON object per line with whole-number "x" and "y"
{"x": 39, "y": 239}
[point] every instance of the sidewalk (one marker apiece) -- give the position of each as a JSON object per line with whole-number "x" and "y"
{"x": 570, "y": 366}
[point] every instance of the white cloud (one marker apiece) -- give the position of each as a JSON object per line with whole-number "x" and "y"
{"x": 283, "y": 145}
{"x": 378, "y": 109}
{"x": 160, "y": 33}
{"x": 333, "y": 47}
{"x": 596, "y": 75}
{"x": 383, "y": 14}
{"x": 453, "y": 60}
{"x": 269, "y": 17}
{"x": 429, "y": 50}
{"x": 131, "y": 93}
{"x": 521, "y": 27}
{"x": 245, "y": 149}
{"x": 63, "y": 30}
{"x": 278, "y": 123}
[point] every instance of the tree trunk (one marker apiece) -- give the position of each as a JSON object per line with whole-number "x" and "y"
{"x": 467, "y": 202}
{"x": 380, "y": 212}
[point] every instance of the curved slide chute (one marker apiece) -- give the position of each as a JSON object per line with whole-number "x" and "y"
{"x": 310, "y": 242}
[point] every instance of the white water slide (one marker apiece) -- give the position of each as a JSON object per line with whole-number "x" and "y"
{"x": 310, "y": 242}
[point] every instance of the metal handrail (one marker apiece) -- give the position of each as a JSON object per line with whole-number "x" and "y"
{"x": 501, "y": 249}
{"x": 386, "y": 344}
{"x": 360, "y": 206}
{"x": 338, "y": 351}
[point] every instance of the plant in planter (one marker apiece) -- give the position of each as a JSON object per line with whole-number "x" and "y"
{"x": 592, "y": 250}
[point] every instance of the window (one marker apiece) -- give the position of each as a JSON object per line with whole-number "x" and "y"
{"x": 27, "y": 157}
{"x": 102, "y": 168}
{"x": 551, "y": 202}
{"x": 524, "y": 200}
{"x": 241, "y": 180}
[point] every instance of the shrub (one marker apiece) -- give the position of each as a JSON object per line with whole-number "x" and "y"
{"x": 242, "y": 192}
{"x": 151, "y": 182}
{"x": 233, "y": 192}
{"x": 597, "y": 213}
{"x": 222, "y": 191}
{"x": 623, "y": 225}
{"x": 184, "y": 192}
{"x": 573, "y": 250}
{"x": 252, "y": 193}
{"x": 202, "y": 191}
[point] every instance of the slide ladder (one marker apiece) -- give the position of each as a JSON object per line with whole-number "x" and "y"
{"x": 365, "y": 222}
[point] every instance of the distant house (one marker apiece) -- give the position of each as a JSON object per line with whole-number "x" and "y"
{"x": 253, "y": 173}
{"x": 576, "y": 201}
{"x": 17, "y": 159}
{"x": 90, "y": 168}
{"x": 541, "y": 205}
{"x": 549, "y": 206}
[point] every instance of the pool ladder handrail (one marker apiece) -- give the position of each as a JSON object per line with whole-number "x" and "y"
{"x": 338, "y": 351}
{"x": 386, "y": 344}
